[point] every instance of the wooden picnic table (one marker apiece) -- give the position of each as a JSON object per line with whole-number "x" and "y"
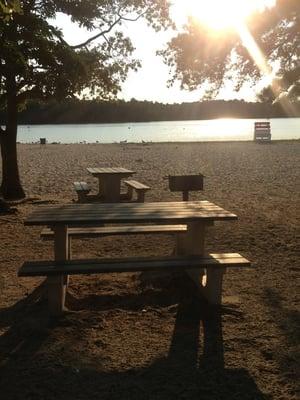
{"x": 197, "y": 215}
{"x": 110, "y": 181}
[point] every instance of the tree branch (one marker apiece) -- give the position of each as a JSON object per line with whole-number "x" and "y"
{"x": 29, "y": 94}
{"x": 102, "y": 33}
{"x": 132, "y": 19}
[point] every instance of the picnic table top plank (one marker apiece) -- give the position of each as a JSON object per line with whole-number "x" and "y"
{"x": 128, "y": 213}
{"x": 110, "y": 171}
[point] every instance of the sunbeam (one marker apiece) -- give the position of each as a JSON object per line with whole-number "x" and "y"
{"x": 265, "y": 69}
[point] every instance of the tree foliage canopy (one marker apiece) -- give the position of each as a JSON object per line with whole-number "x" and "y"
{"x": 35, "y": 55}
{"x": 198, "y": 55}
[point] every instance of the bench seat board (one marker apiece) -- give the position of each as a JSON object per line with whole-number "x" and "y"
{"x": 74, "y": 267}
{"x": 48, "y": 233}
{"x": 137, "y": 185}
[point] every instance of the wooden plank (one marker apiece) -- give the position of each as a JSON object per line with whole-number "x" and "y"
{"x": 110, "y": 186}
{"x": 123, "y": 214}
{"x": 109, "y": 171}
{"x": 126, "y": 219}
{"x": 172, "y": 264}
{"x": 47, "y": 233}
{"x": 167, "y": 204}
{"x": 57, "y": 284}
{"x": 126, "y": 212}
{"x": 137, "y": 185}
{"x": 163, "y": 213}
{"x": 146, "y": 207}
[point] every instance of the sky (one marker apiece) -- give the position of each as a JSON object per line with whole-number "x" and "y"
{"x": 150, "y": 82}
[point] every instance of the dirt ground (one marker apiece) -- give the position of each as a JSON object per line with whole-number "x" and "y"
{"x": 150, "y": 336}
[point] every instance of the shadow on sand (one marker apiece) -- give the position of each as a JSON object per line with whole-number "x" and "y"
{"x": 288, "y": 321}
{"x": 193, "y": 369}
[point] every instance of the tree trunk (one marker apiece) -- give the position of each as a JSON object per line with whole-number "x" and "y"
{"x": 11, "y": 188}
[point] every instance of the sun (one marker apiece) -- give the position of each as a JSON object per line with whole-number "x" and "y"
{"x": 220, "y": 14}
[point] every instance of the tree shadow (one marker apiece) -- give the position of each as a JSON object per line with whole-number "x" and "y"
{"x": 34, "y": 364}
{"x": 288, "y": 322}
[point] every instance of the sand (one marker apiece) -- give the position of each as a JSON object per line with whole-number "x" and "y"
{"x": 148, "y": 336}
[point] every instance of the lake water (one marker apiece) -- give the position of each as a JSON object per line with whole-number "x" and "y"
{"x": 165, "y": 131}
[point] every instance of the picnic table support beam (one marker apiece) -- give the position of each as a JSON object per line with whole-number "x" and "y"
{"x": 141, "y": 196}
{"x": 129, "y": 193}
{"x": 110, "y": 187}
{"x": 192, "y": 243}
{"x": 57, "y": 285}
{"x": 185, "y": 195}
{"x": 209, "y": 281}
{"x": 212, "y": 285}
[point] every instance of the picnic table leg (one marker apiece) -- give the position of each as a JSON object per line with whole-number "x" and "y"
{"x": 141, "y": 196}
{"x": 192, "y": 243}
{"x": 111, "y": 189}
{"x": 101, "y": 184}
{"x": 212, "y": 288}
{"x": 129, "y": 193}
{"x": 209, "y": 281}
{"x": 57, "y": 284}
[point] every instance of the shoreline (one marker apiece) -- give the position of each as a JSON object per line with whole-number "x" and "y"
{"x": 161, "y": 143}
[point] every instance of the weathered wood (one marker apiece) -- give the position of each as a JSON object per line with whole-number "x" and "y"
{"x": 89, "y": 231}
{"x": 136, "y": 185}
{"x": 172, "y": 264}
{"x": 140, "y": 189}
{"x": 82, "y": 189}
{"x": 110, "y": 182}
{"x": 209, "y": 282}
{"x": 110, "y": 171}
{"x": 110, "y": 188}
{"x": 57, "y": 284}
{"x": 192, "y": 243}
{"x": 95, "y": 213}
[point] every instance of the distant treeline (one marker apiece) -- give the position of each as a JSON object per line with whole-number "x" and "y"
{"x": 83, "y": 111}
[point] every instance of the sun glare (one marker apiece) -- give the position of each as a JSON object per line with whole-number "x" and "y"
{"x": 220, "y": 14}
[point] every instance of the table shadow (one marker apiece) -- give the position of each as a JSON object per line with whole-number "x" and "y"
{"x": 193, "y": 369}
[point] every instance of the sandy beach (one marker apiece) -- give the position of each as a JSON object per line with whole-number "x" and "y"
{"x": 148, "y": 336}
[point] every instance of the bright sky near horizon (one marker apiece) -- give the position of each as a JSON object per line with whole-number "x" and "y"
{"x": 150, "y": 82}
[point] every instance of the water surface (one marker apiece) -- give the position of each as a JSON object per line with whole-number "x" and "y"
{"x": 163, "y": 131}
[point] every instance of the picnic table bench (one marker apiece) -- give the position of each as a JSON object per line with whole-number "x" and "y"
{"x": 140, "y": 189}
{"x": 206, "y": 270}
{"x": 82, "y": 189}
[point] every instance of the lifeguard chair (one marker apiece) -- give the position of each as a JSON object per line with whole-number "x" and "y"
{"x": 262, "y": 132}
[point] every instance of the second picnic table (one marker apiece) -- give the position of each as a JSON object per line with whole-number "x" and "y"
{"x": 110, "y": 181}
